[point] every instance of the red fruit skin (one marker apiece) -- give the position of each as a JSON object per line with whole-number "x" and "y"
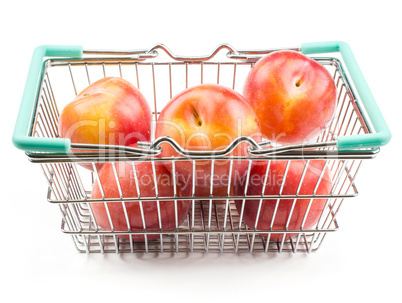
{"x": 207, "y": 117}
{"x": 293, "y": 96}
{"x": 147, "y": 189}
{"x": 199, "y": 191}
{"x": 273, "y": 184}
{"x": 109, "y": 111}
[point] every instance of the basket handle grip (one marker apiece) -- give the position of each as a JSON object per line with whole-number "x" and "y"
{"x": 373, "y": 140}
{"x": 22, "y": 128}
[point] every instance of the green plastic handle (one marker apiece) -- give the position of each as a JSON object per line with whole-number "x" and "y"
{"x": 382, "y": 133}
{"x": 24, "y": 119}
{"x": 22, "y": 128}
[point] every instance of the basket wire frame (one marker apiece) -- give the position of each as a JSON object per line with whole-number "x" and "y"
{"x": 213, "y": 223}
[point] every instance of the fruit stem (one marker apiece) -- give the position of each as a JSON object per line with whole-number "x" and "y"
{"x": 196, "y": 116}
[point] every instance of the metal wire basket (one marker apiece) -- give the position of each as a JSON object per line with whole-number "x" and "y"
{"x": 213, "y": 223}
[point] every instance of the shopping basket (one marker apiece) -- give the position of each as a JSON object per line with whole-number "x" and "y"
{"x": 213, "y": 223}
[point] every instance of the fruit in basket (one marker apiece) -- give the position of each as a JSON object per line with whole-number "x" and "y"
{"x": 207, "y": 117}
{"x": 275, "y": 178}
{"x": 222, "y": 191}
{"x": 109, "y": 111}
{"x": 293, "y": 96}
{"x": 146, "y": 183}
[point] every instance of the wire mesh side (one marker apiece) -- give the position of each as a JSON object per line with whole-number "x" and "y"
{"x": 198, "y": 240}
{"x": 160, "y": 81}
{"x": 213, "y": 223}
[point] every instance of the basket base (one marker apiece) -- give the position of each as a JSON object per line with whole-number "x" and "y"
{"x": 199, "y": 243}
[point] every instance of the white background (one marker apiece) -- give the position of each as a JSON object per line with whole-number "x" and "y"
{"x": 361, "y": 261}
